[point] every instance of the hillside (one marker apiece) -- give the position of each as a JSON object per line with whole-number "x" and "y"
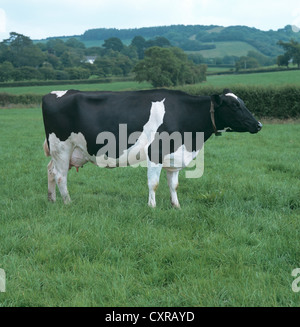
{"x": 211, "y": 41}
{"x": 229, "y": 48}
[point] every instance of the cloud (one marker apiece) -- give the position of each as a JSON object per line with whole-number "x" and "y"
{"x": 296, "y": 20}
{"x": 2, "y": 21}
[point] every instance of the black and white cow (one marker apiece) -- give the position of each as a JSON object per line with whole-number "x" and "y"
{"x": 79, "y": 126}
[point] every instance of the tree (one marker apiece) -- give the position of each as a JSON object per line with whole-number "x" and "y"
{"x": 53, "y": 60}
{"x": 246, "y": 63}
{"x": 6, "y": 71}
{"x": 114, "y": 44}
{"x": 74, "y": 43}
{"x": 47, "y": 73}
{"x": 140, "y": 44}
{"x": 56, "y": 47}
{"x": 22, "y": 52}
{"x": 197, "y": 58}
{"x": 292, "y": 51}
{"x": 158, "y": 42}
{"x": 114, "y": 63}
{"x": 78, "y": 73}
{"x": 261, "y": 59}
{"x": 160, "y": 67}
{"x": 283, "y": 60}
{"x": 17, "y": 41}
{"x": 66, "y": 59}
{"x": 167, "y": 67}
{"x": 26, "y": 73}
{"x": 104, "y": 66}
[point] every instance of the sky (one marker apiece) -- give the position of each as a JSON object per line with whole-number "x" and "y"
{"x": 44, "y": 18}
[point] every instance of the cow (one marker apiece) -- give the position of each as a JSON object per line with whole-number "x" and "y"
{"x": 78, "y": 126}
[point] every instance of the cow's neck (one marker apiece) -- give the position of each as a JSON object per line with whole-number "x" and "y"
{"x": 216, "y": 125}
{"x": 212, "y": 117}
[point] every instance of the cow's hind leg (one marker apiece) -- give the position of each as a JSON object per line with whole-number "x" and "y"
{"x": 51, "y": 183}
{"x": 61, "y": 154}
{"x": 153, "y": 174}
{"x": 61, "y": 168}
{"x": 61, "y": 181}
{"x": 172, "y": 177}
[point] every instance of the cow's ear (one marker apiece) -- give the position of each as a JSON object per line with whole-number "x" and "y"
{"x": 216, "y": 99}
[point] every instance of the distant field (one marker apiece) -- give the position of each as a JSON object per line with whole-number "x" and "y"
{"x": 260, "y": 79}
{"x": 114, "y": 86}
{"x": 227, "y": 49}
{"x": 235, "y": 241}
{"x": 99, "y": 43}
{"x": 219, "y": 69}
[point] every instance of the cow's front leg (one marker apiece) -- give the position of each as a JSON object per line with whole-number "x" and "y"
{"x": 172, "y": 177}
{"x": 153, "y": 174}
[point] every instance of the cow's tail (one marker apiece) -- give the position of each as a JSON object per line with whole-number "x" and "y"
{"x": 46, "y": 149}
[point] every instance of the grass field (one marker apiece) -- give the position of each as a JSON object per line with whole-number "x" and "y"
{"x": 259, "y": 79}
{"x": 235, "y": 241}
{"x": 223, "y": 49}
{"x": 114, "y": 86}
{"x": 226, "y": 81}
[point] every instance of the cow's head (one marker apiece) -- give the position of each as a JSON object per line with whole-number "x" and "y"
{"x": 231, "y": 112}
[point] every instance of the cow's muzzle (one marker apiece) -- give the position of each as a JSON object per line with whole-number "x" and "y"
{"x": 259, "y": 126}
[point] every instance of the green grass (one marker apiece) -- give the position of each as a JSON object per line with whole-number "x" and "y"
{"x": 260, "y": 79}
{"x": 235, "y": 48}
{"x": 114, "y": 86}
{"x": 235, "y": 241}
{"x": 218, "y": 69}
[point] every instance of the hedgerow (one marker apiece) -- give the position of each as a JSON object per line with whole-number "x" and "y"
{"x": 264, "y": 102}
{"x": 7, "y": 99}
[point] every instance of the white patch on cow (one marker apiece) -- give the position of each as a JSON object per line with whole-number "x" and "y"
{"x": 153, "y": 174}
{"x": 77, "y": 142}
{"x": 172, "y": 177}
{"x": 181, "y": 158}
{"x": 73, "y": 150}
{"x": 65, "y": 154}
{"x": 231, "y": 95}
{"x": 156, "y": 119}
{"x": 59, "y": 94}
{"x": 137, "y": 153}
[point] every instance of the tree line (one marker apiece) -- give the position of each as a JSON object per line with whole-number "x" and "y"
{"x": 22, "y": 59}
{"x": 199, "y": 37}
{"x": 154, "y": 60}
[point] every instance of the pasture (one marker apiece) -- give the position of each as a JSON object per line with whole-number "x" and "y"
{"x": 234, "y": 48}
{"x": 257, "y": 79}
{"x": 225, "y": 81}
{"x": 235, "y": 241}
{"x": 115, "y": 86}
